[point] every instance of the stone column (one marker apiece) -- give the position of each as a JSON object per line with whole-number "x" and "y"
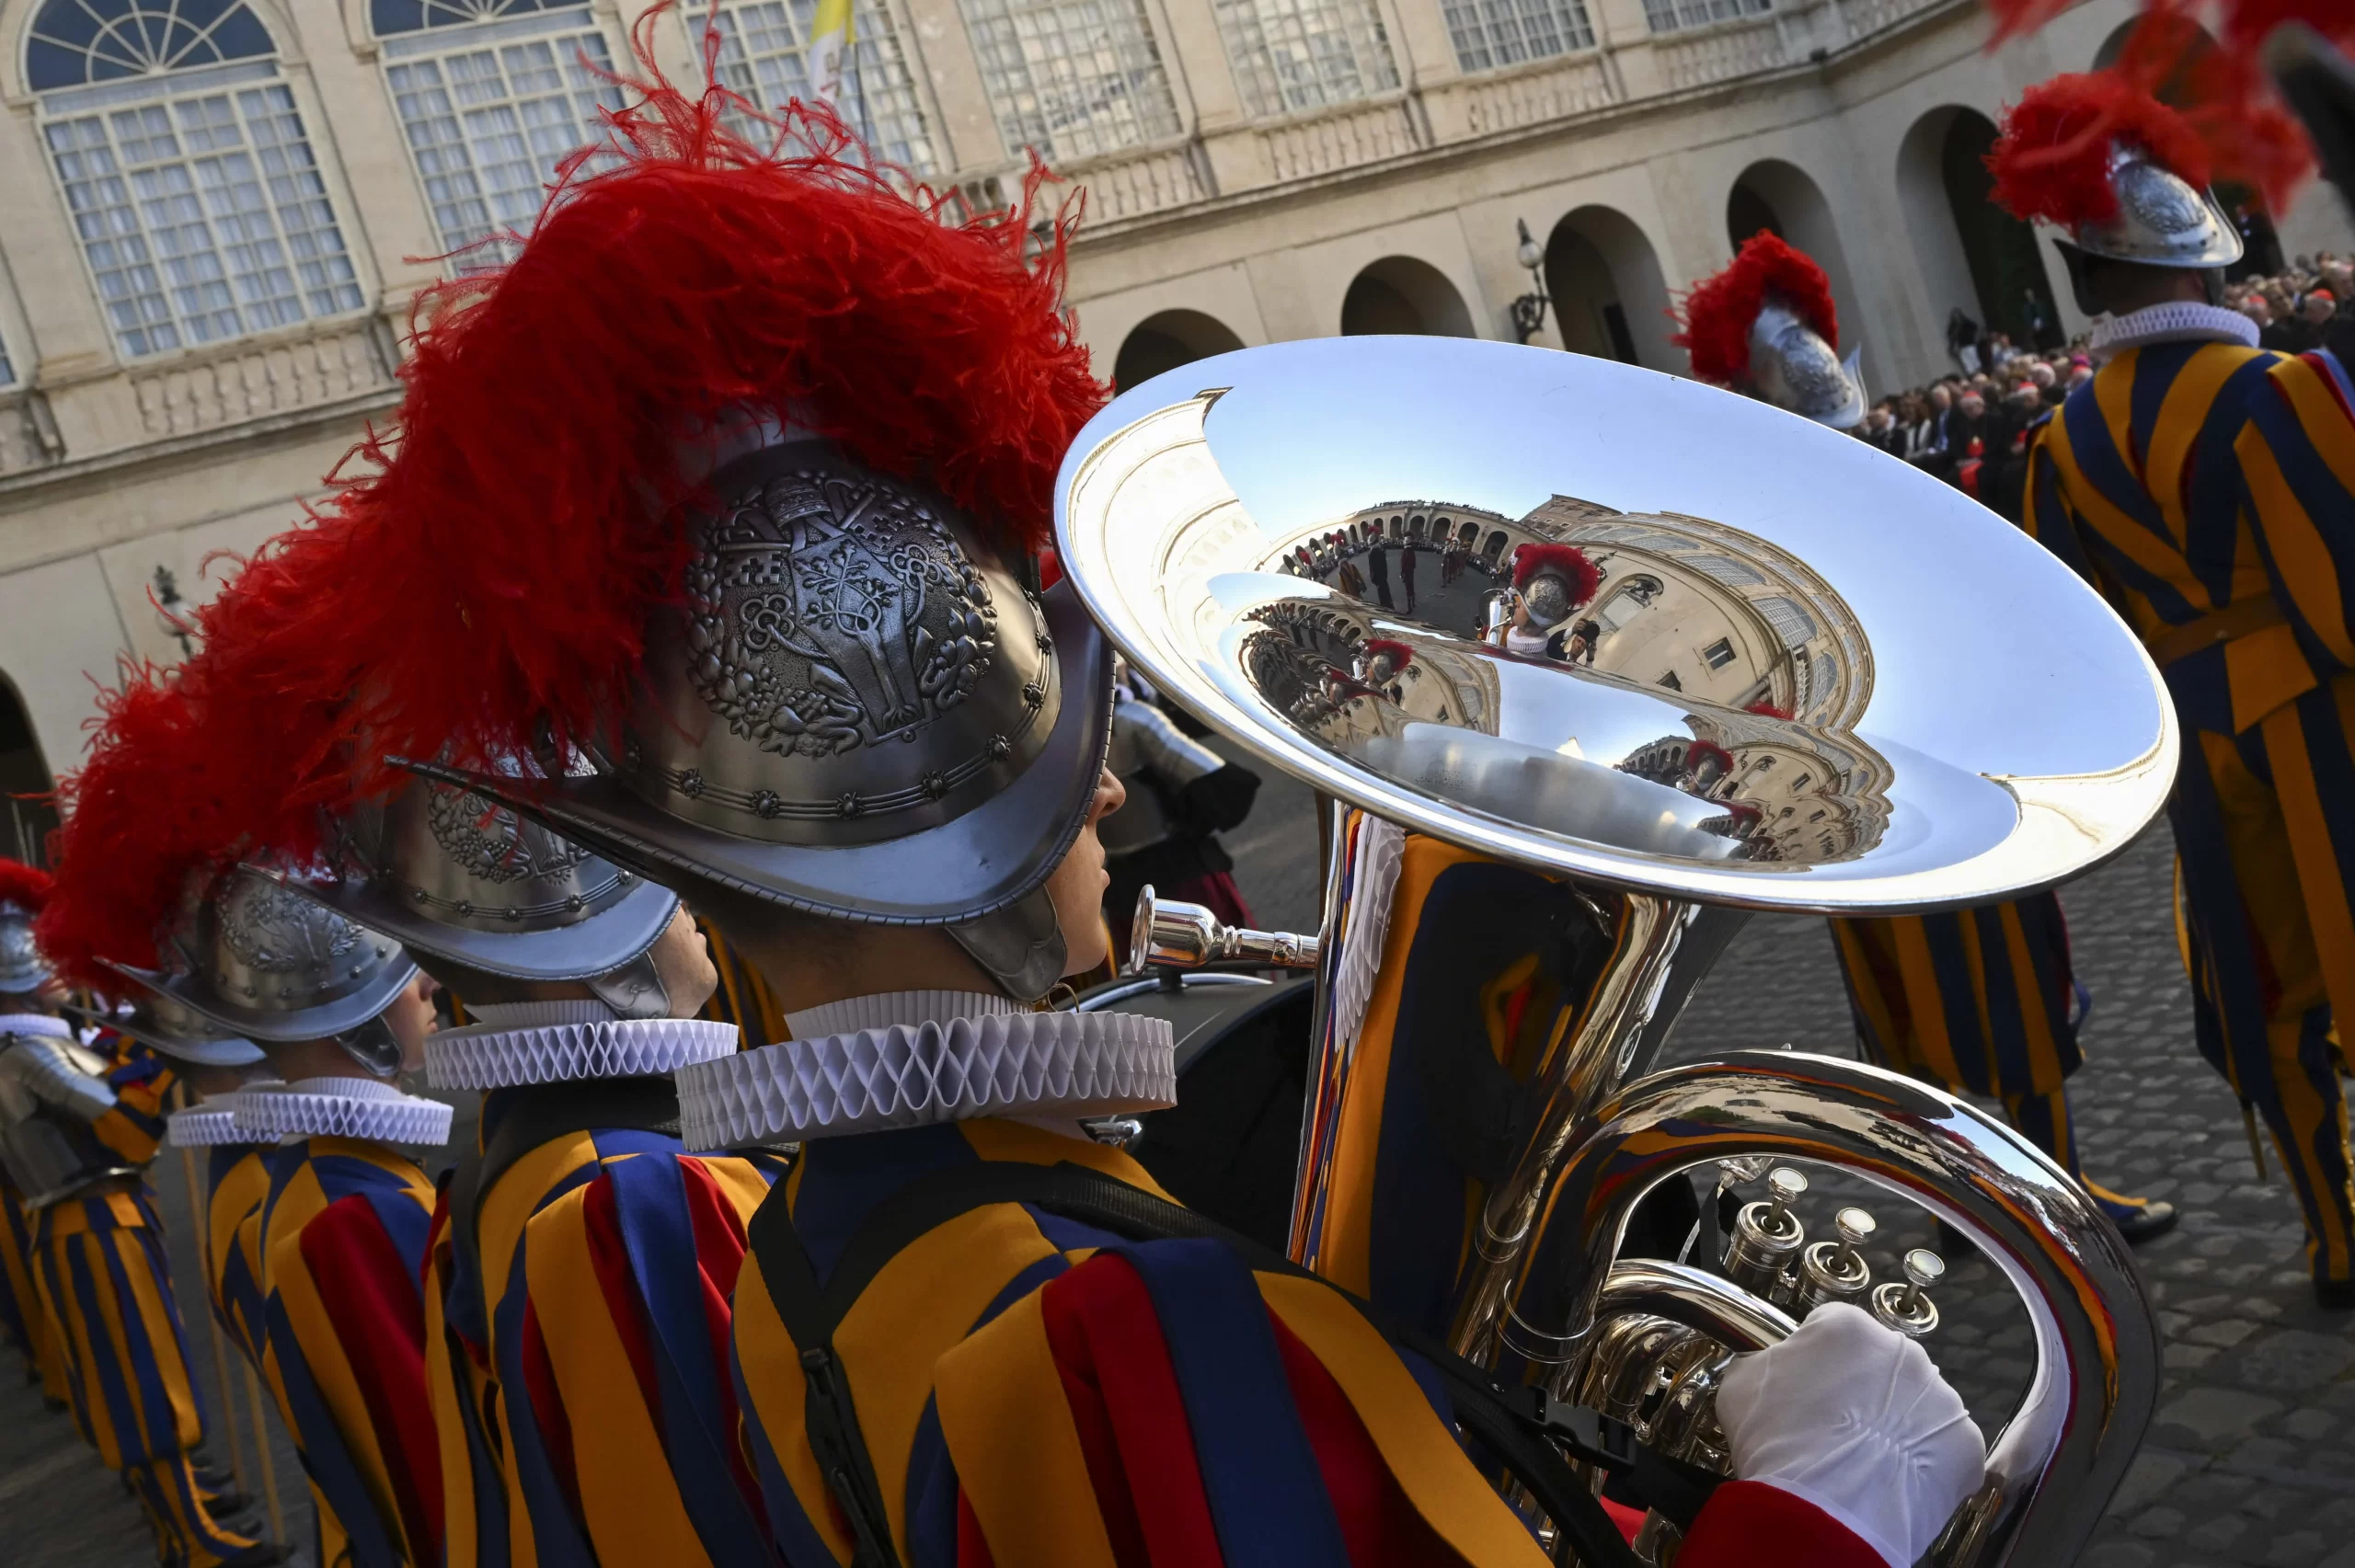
{"x": 1210, "y": 95}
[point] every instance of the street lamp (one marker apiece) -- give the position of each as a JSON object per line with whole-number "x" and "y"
{"x": 1529, "y": 311}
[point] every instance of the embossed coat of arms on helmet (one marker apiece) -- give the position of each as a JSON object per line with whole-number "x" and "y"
{"x": 827, "y": 611}
{"x": 273, "y": 931}
{"x": 490, "y": 844}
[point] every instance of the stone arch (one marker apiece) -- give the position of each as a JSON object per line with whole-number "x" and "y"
{"x": 1785, "y": 201}
{"x": 1974, "y": 256}
{"x": 1165, "y": 340}
{"x": 1610, "y": 296}
{"x": 29, "y": 813}
{"x": 1404, "y": 295}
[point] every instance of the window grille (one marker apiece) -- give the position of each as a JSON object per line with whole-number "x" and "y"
{"x": 1490, "y": 33}
{"x": 493, "y": 95}
{"x": 1672, "y": 15}
{"x": 1297, "y": 54}
{"x": 764, "y": 50}
{"x": 1071, "y": 79}
{"x": 1724, "y": 569}
{"x": 201, "y": 209}
{"x": 1791, "y": 623}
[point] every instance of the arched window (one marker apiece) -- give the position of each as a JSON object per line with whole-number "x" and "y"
{"x": 192, "y": 186}
{"x": 1299, "y": 54}
{"x": 764, "y": 48}
{"x": 491, "y": 95}
{"x": 1072, "y": 78}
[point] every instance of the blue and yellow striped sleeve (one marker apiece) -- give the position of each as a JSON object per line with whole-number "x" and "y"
{"x": 2297, "y": 463}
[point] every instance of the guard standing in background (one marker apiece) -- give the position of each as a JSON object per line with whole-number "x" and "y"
{"x": 1980, "y": 1000}
{"x": 2138, "y": 481}
{"x": 77, "y": 1132}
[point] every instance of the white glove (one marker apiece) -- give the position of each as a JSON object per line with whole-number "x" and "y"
{"x": 1854, "y": 1418}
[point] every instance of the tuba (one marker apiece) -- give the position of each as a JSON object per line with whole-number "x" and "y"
{"x": 1584, "y": 662}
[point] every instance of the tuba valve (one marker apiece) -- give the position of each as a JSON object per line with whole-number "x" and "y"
{"x": 1766, "y": 1237}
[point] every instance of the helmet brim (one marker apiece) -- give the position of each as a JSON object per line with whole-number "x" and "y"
{"x": 973, "y": 865}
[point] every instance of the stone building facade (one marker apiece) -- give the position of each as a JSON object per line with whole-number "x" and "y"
{"x": 214, "y": 213}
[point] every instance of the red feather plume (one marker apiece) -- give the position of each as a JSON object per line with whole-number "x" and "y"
{"x": 1399, "y": 654}
{"x": 482, "y": 580}
{"x": 2201, "y": 58}
{"x": 2052, "y": 159}
{"x": 1718, "y": 313}
{"x": 1581, "y": 576}
{"x": 26, "y": 887}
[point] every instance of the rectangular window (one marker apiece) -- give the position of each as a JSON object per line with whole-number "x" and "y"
{"x": 1072, "y": 78}
{"x": 203, "y": 217}
{"x": 8, "y": 371}
{"x": 1673, "y": 15}
{"x": 1718, "y": 654}
{"x": 762, "y": 51}
{"x": 1490, "y": 33}
{"x": 1672, "y": 682}
{"x": 487, "y": 126}
{"x": 1296, "y": 54}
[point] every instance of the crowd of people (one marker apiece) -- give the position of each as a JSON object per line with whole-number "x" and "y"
{"x": 1971, "y": 427}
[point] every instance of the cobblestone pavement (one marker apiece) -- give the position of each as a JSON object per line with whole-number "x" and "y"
{"x": 2252, "y": 1459}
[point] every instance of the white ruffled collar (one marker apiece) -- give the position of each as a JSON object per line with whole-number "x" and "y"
{"x": 363, "y": 1108}
{"x": 922, "y": 1058}
{"x": 35, "y": 1024}
{"x": 885, "y": 1007}
{"x": 211, "y": 1120}
{"x": 503, "y": 1052}
{"x": 2178, "y": 321}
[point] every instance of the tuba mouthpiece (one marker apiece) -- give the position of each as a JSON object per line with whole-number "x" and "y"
{"x": 1171, "y": 935}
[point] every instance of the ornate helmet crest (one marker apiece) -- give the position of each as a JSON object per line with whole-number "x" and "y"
{"x": 258, "y": 959}
{"x": 24, "y": 893}
{"x": 1766, "y": 326}
{"x": 451, "y": 875}
{"x": 2127, "y": 176}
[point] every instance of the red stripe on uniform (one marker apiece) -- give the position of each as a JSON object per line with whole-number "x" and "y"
{"x": 1124, "y": 1401}
{"x": 1380, "y": 1528}
{"x": 379, "y": 1319}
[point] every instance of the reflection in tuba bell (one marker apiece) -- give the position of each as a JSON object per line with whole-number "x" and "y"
{"x": 1566, "y": 742}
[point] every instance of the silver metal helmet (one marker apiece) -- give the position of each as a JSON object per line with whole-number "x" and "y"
{"x": 168, "y": 1028}
{"x": 449, "y": 873}
{"x": 22, "y": 969}
{"x": 856, "y": 712}
{"x": 1793, "y": 368}
{"x": 2163, "y": 220}
{"x": 260, "y": 960}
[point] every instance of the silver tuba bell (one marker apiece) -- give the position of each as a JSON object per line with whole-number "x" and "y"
{"x": 1586, "y": 661}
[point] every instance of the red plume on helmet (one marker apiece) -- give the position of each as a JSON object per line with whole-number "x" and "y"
{"x": 481, "y": 582}
{"x": 2200, "y": 57}
{"x": 1717, "y": 315}
{"x": 1399, "y": 655}
{"x": 2051, "y": 160}
{"x": 26, "y": 887}
{"x": 1581, "y": 576}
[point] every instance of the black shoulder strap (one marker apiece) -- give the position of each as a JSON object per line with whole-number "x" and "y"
{"x": 827, "y": 1413}
{"x": 1519, "y": 1425}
